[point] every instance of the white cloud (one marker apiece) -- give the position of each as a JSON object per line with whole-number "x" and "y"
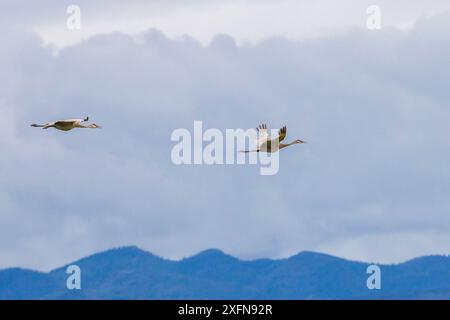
{"x": 243, "y": 19}
{"x": 373, "y": 107}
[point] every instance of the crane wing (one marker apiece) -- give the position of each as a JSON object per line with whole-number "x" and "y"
{"x": 69, "y": 121}
{"x": 64, "y": 123}
{"x": 282, "y": 134}
{"x": 263, "y": 135}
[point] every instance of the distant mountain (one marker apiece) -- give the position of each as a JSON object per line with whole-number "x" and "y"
{"x": 130, "y": 273}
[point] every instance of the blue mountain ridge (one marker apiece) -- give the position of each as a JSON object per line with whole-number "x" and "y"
{"x": 131, "y": 273}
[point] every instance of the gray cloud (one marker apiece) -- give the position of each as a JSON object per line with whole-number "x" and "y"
{"x": 246, "y": 20}
{"x": 373, "y": 107}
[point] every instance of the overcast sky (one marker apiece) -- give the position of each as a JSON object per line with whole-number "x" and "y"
{"x": 372, "y": 183}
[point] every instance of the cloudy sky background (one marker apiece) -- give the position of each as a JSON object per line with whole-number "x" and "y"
{"x": 372, "y": 184}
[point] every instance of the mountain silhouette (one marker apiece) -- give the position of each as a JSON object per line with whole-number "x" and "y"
{"x": 131, "y": 273}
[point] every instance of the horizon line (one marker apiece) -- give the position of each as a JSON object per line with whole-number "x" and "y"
{"x": 216, "y": 250}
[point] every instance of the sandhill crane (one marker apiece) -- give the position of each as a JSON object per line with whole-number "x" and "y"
{"x": 66, "y": 125}
{"x": 266, "y": 144}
